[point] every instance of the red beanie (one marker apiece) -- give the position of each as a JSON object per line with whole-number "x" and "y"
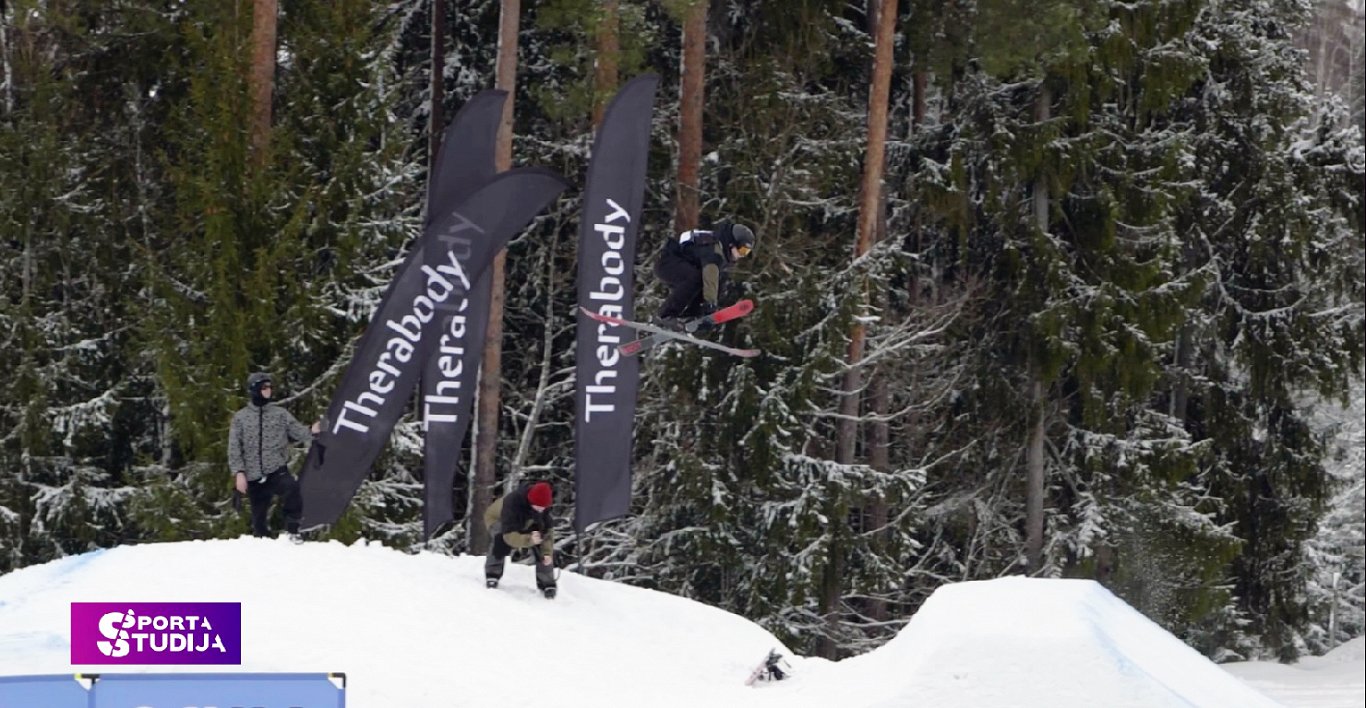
{"x": 539, "y": 494}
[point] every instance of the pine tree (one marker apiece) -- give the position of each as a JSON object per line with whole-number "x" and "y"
{"x": 1275, "y": 237}
{"x": 1090, "y": 305}
{"x": 275, "y": 268}
{"x": 1337, "y": 589}
{"x": 78, "y": 409}
{"x": 1118, "y": 242}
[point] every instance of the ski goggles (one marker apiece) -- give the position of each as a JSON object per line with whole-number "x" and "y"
{"x": 742, "y": 250}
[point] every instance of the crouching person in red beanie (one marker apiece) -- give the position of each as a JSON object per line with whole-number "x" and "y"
{"x": 521, "y": 519}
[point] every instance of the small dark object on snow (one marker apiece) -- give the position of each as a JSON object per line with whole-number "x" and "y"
{"x": 772, "y": 668}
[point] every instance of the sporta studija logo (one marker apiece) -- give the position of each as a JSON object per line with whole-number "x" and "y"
{"x": 156, "y": 633}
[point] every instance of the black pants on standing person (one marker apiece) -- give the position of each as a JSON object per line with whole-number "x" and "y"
{"x": 263, "y": 491}
{"x": 499, "y": 550}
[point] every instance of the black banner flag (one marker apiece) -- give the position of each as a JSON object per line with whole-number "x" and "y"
{"x": 607, "y": 382}
{"x": 457, "y": 248}
{"x": 449, "y": 375}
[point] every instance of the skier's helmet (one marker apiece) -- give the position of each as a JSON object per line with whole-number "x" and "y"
{"x": 256, "y": 381}
{"x": 742, "y": 238}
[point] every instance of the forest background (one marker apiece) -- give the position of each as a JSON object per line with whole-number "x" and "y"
{"x": 1070, "y": 289}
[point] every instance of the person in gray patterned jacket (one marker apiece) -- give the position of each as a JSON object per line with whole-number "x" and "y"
{"x": 258, "y": 448}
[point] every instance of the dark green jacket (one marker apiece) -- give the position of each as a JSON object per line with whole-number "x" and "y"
{"x": 512, "y": 516}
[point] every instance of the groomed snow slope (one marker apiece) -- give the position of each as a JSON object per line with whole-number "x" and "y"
{"x": 423, "y": 631}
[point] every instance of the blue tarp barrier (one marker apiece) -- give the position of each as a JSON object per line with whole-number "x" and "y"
{"x": 174, "y": 691}
{"x": 52, "y": 691}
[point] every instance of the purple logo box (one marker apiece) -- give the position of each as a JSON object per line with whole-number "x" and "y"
{"x": 156, "y": 633}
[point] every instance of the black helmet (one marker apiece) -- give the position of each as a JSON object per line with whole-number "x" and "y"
{"x": 742, "y": 237}
{"x": 255, "y": 381}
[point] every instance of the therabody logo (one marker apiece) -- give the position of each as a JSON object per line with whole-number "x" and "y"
{"x": 156, "y": 633}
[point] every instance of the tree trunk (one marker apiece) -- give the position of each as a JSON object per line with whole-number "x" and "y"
{"x": 1034, "y": 490}
{"x": 870, "y": 196}
{"x": 436, "y": 126}
{"x": 1184, "y": 350}
{"x": 690, "y": 116}
{"x": 605, "y": 64}
{"x": 604, "y": 87}
{"x": 1181, "y": 384}
{"x": 547, "y": 360}
{"x": 491, "y": 368}
{"x": 919, "y": 81}
{"x": 261, "y": 78}
{"x": 6, "y": 72}
{"x": 1035, "y": 485}
{"x": 879, "y": 458}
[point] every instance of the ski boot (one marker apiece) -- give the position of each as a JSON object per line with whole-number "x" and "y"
{"x": 549, "y": 593}
{"x": 673, "y": 324}
{"x": 490, "y": 583}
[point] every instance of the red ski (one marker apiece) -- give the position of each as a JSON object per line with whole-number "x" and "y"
{"x": 725, "y": 314}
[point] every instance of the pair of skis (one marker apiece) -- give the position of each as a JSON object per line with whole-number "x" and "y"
{"x": 658, "y": 334}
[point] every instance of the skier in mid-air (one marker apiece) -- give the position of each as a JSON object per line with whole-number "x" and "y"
{"x": 695, "y": 267}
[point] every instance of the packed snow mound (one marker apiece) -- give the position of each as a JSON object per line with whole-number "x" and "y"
{"x": 1036, "y": 642}
{"x": 421, "y": 630}
{"x": 1353, "y": 651}
{"x": 978, "y": 643}
{"x": 1334, "y": 679}
{"x": 407, "y": 630}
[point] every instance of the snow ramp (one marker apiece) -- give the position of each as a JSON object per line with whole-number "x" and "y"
{"x": 1035, "y": 642}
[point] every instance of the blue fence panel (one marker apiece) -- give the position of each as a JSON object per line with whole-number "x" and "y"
{"x": 49, "y": 691}
{"x": 219, "y": 690}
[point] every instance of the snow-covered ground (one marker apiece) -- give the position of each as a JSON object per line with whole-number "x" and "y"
{"x": 417, "y": 631}
{"x": 1336, "y": 679}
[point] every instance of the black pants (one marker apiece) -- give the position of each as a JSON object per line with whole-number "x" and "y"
{"x": 278, "y": 483}
{"x": 685, "y": 285}
{"x": 499, "y": 550}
